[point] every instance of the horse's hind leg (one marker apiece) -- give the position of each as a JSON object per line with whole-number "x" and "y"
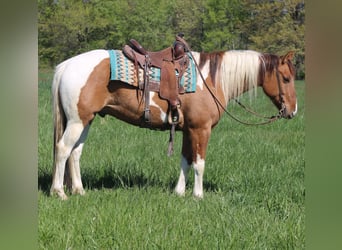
{"x": 63, "y": 150}
{"x": 74, "y": 164}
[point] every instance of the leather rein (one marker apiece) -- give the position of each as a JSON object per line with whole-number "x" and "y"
{"x": 268, "y": 119}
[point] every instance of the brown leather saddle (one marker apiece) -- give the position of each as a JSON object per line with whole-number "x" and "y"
{"x": 172, "y": 62}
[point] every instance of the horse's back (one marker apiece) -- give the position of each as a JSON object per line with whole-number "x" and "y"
{"x": 85, "y": 60}
{"x": 78, "y": 68}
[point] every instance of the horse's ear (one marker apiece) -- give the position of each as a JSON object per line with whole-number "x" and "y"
{"x": 288, "y": 57}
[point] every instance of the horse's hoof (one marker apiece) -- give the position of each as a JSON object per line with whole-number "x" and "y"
{"x": 60, "y": 193}
{"x": 79, "y": 191}
{"x": 198, "y": 195}
{"x": 180, "y": 194}
{"x": 180, "y": 191}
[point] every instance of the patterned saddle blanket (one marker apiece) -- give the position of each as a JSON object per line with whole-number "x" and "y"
{"x": 124, "y": 70}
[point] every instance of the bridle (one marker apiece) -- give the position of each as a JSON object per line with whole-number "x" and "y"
{"x": 273, "y": 118}
{"x": 280, "y": 94}
{"x": 268, "y": 119}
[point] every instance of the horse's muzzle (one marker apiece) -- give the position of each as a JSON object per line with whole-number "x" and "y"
{"x": 289, "y": 115}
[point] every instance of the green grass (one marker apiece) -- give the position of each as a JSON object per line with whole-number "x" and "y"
{"x": 254, "y": 186}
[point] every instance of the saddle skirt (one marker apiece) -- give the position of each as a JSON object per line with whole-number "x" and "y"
{"x": 123, "y": 69}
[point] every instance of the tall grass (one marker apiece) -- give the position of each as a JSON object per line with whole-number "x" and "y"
{"x": 254, "y": 186}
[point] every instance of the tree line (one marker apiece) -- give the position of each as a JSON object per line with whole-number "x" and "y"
{"x": 69, "y": 27}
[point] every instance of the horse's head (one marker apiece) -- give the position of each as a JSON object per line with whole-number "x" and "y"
{"x": 278, "y": 83}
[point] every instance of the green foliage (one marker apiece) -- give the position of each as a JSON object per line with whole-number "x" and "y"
{"x": 187, "y": 16}
{"x": 220, "y": 25}
{"x": 276, "y": 27}
{"x": 69, "y": 27}
{"x": 254, "y": 186}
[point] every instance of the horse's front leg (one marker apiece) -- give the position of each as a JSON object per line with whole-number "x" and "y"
{"x": 195, "y": 142}
{"x": 183, "y": 177}
{"x": 198, "y": 165}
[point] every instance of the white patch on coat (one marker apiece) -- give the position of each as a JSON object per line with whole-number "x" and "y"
{"x": 76, "y": 73}
{"x": 163, "y": 115}
{"x": 183, "y": 176}
{"x": 296, "y": 109}
{"x": 199, "y": 171}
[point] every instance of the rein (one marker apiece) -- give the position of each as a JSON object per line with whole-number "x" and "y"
{"x": 269, "y": 119}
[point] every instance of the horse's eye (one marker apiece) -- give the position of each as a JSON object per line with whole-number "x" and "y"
{"x": 286, "y": 80}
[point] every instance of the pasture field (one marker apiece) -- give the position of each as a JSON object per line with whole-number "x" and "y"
{"x": 254, "y": 186}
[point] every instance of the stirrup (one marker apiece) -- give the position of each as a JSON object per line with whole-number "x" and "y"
{"x": 175, "y": 116}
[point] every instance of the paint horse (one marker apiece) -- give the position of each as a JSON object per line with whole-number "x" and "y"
{"x": 82, "y": 89}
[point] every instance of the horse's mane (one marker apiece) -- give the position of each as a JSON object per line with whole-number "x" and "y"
{"x": 270, "y": 63}
{"x": 239, "y": 72}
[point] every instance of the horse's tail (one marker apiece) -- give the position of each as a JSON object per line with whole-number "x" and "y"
{"x": 59, "y": 118}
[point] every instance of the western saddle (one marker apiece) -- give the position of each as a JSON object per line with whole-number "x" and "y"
{"x": 172, "y": 62}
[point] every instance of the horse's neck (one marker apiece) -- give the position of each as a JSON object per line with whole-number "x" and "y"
{"x": 236, "y": 72}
